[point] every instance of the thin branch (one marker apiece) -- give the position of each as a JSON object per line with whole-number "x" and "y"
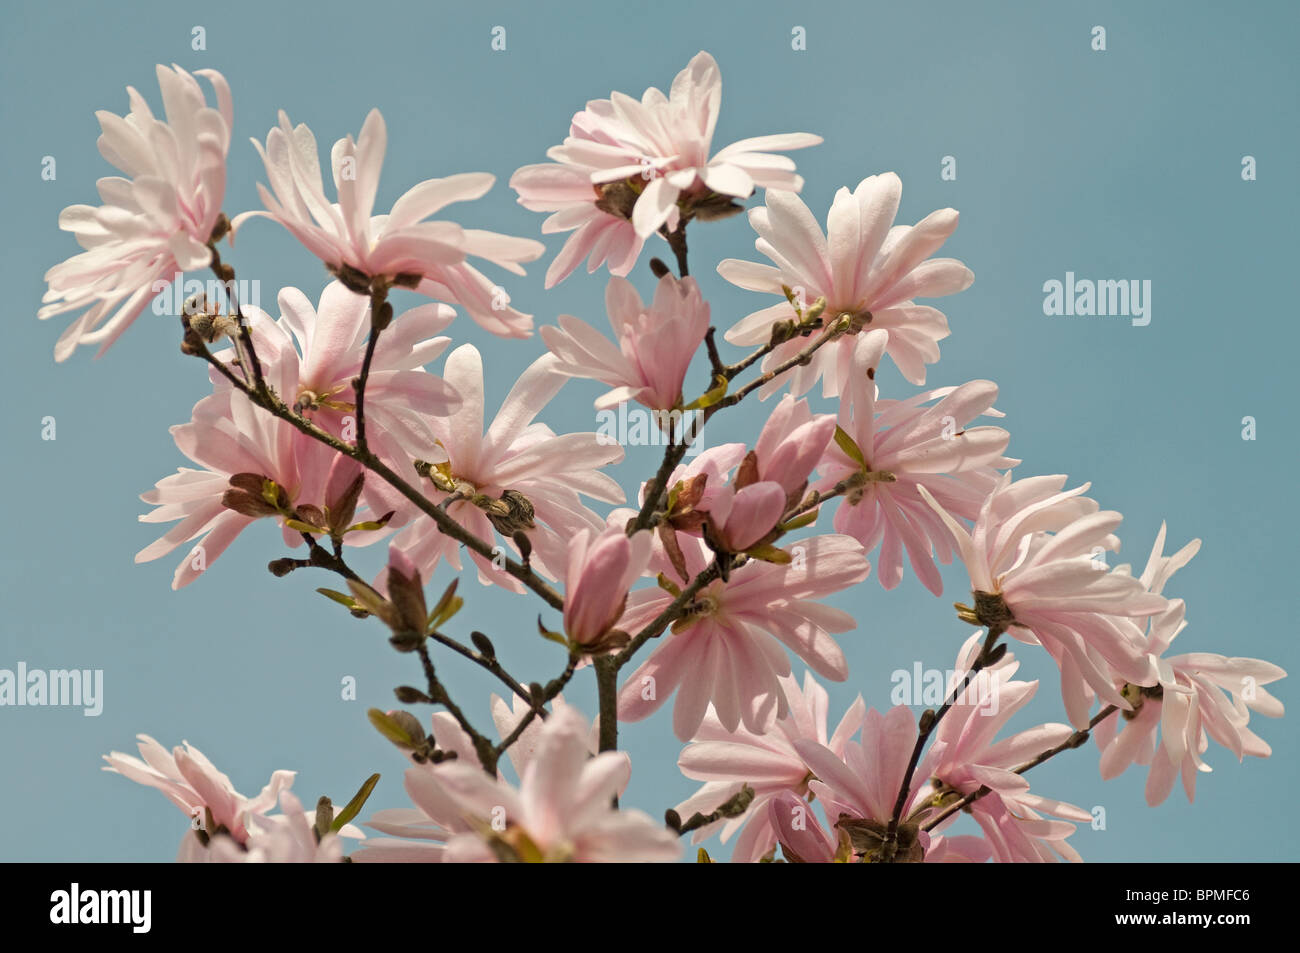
{"x": 803, "y": 357}
{"x": 713, "y": 571}
{"x": 537, "y": 706}
{"x": 381, "y": 313}
{"x": 670, "y": 614}
{"x": 715, "y": 360}
{"x": 483, "y": 661}
{"x": 929, "y": 721}
{"x": 272, "y": 403}
{"x": 677, "y": 242}
{"x": 226, "y": 275}
{"x": 486, "y": 751}
{"x": 1074, "y": 741}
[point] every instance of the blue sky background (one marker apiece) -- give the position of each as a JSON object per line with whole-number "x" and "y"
{"x": 1117, "y": 164}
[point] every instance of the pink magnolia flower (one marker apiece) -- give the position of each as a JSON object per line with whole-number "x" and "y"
{"x": 655, "y": 343}
{"x": 800, "y": 833}
{"x": 602, "y": 234}
{"x": 857, "y": 789}
{"x": 709, "y": 476}
{"x": 864, "y": 780}
{"x": 728, "y": 760}
{"x": 740, "y": 516}
{"x": 518, "y": 476}
{"x": 863, "y": 266}
{"x": 972, "y": 758}
{"x": 193, "y": 783}
{"x": 422, "y": 832}
{"x": 727, "y": 651}
{"x": 400, "y": 245}
{"x": 153, "y": 224}
{"x": 285, "y": 838}
{"x": 560, "y": 811}
{"x": 238, "y": 448}
{"x": 1199, "y": 696}
{"x": 1025, "y": 838}
{"x": 791, "y": 443}
{"x": 1035, "y": 552}
{"x": 737, "y": 514}
{"x": 805, "y": 840}
{"x": 602, "y": 568}
{"x": 647, "y": 163}
{"x": 898, "y": 447}
{"x": 318, "y": 373}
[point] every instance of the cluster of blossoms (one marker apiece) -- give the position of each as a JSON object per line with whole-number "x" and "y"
{"x": 326, "y": 419}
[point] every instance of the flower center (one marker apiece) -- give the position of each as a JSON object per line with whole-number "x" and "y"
{"x": 310, "y": 400}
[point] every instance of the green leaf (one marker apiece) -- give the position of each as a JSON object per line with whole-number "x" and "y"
{"x": 847, "y": 444}
{"x": 769, "y": 553}
{"x": 800, "y": 521}
{"x": 371, "y": 524}
{"x": 669, "y": 586}
{"x": 448, "y": 605}
{"x": 271, "y": 492}
{"x": 813, "y": 314}
{"x": 354, "y": 806}
{"x": 302, "y": 527}
{"x": 389, "y": 728}
{"x": 341, "y": 599}
{"x": 710, "y": 397}
{"x": 548, "y": 634}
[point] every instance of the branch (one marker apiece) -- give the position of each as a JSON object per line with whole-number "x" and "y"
{"x": 677, "y": 242}
{"x": 928, "y": 722}
{"x": 537, "y": 703}
{"x": 489, "y": 663}
{"x": 486, "y": 751}
{"x": 1074, "y": 741}
{"x": 607, "y": 693}
{"x": 226, "y": 275}
{"x": 271, "y": 402}
{"x": 803, "y": 357}
{"x": 670, "y": 614}
{"x": 381, "y": 313}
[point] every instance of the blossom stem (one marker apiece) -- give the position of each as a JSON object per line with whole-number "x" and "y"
{"x": 654, "y": 492}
